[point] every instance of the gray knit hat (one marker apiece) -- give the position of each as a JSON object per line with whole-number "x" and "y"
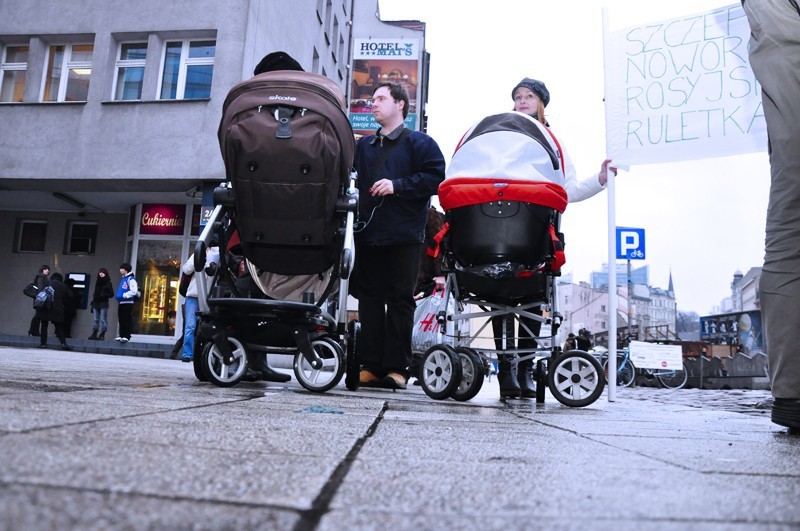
{"x": 536, "y": 86}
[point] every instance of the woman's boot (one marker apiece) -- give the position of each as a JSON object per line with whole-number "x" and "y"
{"x": 509, "y": 388}
{"x": 94, "y": 335}
{"x": 527, "y": 382}
{"x": 102, "y": 335}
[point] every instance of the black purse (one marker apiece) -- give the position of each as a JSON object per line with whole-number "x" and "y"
{"x": 31, "y": 290}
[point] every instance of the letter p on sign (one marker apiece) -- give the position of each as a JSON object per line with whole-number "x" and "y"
{"x": 630, "y": 243}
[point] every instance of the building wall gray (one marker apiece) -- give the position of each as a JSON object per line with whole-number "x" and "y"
{"x": 163, "y": 142}
{"x": 21, "y": 268}
{"x": 150, "y": 150}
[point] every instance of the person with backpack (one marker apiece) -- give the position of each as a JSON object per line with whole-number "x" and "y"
{"x": 40, "y": 281}
{"x": 103, "y": 290}
{"x": 53, "y": 309}
{"x": 127, "y": 291}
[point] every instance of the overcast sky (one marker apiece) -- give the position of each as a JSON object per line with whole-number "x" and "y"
{"x": 703, "y": 219}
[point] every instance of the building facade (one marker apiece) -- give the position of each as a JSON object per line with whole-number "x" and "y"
{"x": 108, "y": 145}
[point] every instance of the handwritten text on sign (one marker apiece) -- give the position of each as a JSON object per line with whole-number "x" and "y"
{"x": 683, "y": 89}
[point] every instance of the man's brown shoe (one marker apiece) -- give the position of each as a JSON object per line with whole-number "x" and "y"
{"x": 394, "y": 380}
{"x": 367, "y": 379}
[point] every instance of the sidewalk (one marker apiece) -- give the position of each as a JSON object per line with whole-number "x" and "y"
{"x": 93, "y": 441}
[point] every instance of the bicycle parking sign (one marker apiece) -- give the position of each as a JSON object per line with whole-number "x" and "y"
{"x": 630, "y": 243}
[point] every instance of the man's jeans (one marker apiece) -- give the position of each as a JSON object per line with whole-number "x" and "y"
{"x": 192, "y": 306}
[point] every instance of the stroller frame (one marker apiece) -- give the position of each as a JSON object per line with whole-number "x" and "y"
{"x": 575, "y": 378}
{"x": 316, "y": 333}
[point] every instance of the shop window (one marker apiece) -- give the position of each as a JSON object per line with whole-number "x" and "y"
{"x": 131, "y": 57}
{"x": 188, "y": 69}
{"x": 13, "y": 65}
{"x": 69, "y": 67}
{"x": 81, "y": 237}
{"x": 157, "y": 272}
{"x": 31, "y": 236}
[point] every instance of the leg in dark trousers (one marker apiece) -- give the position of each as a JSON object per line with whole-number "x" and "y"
{"x": 43, "y": 325}
{"x": 33, "y": 329}
{"x": 386, "y": 277}
{"x": 125, "y": 320}
{"x": 61, "y": 333}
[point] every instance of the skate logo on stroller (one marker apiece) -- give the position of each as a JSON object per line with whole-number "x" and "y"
{"x": 282, "y": 98}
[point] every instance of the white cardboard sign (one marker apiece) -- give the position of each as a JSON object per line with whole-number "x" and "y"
{"x": 655, "y": 356}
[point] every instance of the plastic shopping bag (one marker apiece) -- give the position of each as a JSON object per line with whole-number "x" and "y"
{"x": 427, "y": 331}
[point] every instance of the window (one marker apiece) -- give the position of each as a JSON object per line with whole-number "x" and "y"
{"x": 13, "y": 65}
{"x": 69, "y": 67}
{"x": 131, "y": 58}
{"x": 31, "y": 236}
{"x": 81, "y": 237}
{"x": 188, "y": 69}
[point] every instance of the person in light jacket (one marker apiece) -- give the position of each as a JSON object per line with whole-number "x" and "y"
{"x": 192, "y": 304}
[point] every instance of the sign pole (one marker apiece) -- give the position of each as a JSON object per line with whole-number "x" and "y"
{"x": 612, "y": 269}
{"x": 630, "y": 299}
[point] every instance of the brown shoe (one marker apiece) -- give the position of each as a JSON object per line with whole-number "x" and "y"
{"x": 394, "y": 380}
{"x": 367, "y": 379}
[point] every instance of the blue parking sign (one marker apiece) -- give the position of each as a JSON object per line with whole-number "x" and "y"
{"x": 630, "y": 243}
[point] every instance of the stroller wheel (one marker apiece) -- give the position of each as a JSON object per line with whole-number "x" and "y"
{"x": 353, "y": 363}
{"x": 472, "y": 374}
{"x": 576, "y": 378}
{"x": 440, "y": 372}
{"x": 327, "y": 376}
{"x": 219, "y": 373}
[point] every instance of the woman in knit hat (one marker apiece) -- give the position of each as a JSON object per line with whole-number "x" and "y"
{"x": 531, "y": 97}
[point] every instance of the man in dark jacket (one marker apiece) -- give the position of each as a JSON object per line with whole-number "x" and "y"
{"x": 398, "y": 172}
{"x": 56, "y": 314}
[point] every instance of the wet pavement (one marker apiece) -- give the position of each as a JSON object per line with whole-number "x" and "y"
{"x": 92, "y": 441}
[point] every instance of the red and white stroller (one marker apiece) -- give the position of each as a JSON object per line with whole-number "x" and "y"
{"x": 503, "y": 196}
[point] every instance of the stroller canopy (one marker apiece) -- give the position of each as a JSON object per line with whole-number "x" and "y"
{"x": 508, "y": 156}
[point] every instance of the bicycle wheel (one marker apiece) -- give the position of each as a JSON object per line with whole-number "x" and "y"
{"x": 673, "y": 379}
{"x": 626, "y": 372}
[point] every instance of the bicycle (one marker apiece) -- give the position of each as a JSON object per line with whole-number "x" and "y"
{"x": 626, "y": 372}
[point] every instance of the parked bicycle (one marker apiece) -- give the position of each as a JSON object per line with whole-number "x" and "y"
{"x": 626, "y": 372}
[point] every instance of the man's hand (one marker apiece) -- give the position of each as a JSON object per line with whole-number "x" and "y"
{"x": 382, "y": 188}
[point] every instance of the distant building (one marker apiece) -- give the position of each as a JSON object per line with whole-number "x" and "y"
{"x": 651, "y": 311}
{"x": 745, "y": 294}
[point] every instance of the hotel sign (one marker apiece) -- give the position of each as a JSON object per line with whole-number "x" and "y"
{"x": 162, "y": 220}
